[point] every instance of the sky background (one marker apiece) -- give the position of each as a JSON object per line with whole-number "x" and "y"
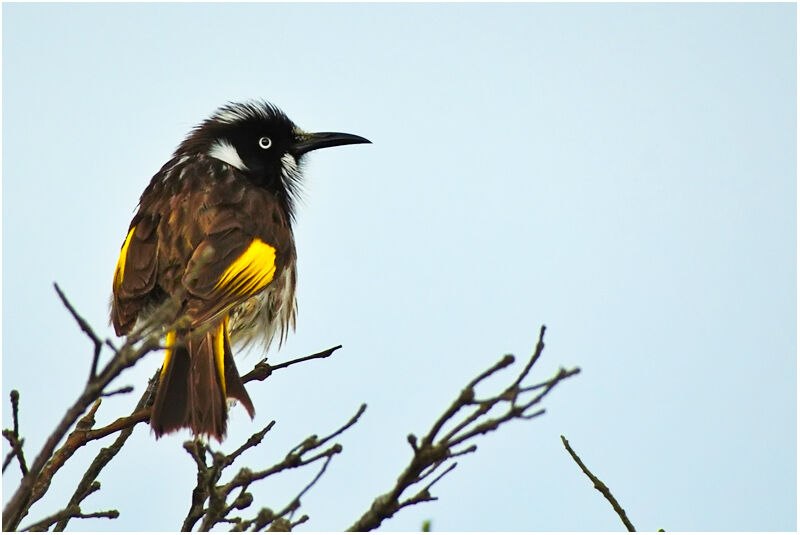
{"x": 624, "y": 174}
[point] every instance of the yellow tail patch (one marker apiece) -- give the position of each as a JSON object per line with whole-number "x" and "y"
{"x": 168, "y": 343}
{"x": 219, "y": 337}
{"x": 219, "y": 350}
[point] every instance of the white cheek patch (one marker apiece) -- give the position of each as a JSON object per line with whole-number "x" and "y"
{"x": 222, "y": 150}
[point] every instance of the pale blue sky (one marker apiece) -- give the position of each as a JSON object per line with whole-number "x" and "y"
{"x": 623, "y": 173}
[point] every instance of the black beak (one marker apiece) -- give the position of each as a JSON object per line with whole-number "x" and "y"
{"x": 320, "y": 140}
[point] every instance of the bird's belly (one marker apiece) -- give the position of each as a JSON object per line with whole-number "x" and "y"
{"x": 266, "y": 315}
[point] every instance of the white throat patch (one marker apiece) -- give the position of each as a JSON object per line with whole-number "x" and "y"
{"x": 289, "y": 168}
{"x": 222, "y": 150}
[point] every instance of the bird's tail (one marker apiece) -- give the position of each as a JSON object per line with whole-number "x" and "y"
{"x": 196, "y": 379}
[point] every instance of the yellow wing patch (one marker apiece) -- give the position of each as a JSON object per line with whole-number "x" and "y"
{"x": 119, "y": 272}
{"x": 250, "y": 272}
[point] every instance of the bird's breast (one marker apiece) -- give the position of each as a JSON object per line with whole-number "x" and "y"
{"x": 267, "y": 315}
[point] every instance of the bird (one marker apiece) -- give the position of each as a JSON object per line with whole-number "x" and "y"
{"x": 213, "y": 233}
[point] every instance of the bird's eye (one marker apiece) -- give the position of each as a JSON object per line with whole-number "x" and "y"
{"x": 265, "y": 142}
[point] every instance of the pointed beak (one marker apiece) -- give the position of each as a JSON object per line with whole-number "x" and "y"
{"x": 320, "y": 140}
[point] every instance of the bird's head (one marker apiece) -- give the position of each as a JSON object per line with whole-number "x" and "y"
{"x": 260, "y": 141}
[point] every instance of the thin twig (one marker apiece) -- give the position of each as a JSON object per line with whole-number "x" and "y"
{"x": 425, "y": 494}
{"x": 86, "y": 328}
{"x": 600, "y": 486}
{"x": 350, "y": 423}
{"x": 72, "y": 511}
{"x": 123, "y": 390}
{"x": 254, "y": 440}
{"x": 536, "y": 354}
{"x": 12, "y": 435}
{"x": 294, "y": 505}
{"x": 262, "y": 369}
{"x": 15, "y": 410}
{"x": 321, "y": 355}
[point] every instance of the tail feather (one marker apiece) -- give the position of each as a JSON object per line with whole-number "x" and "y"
{"x": 233, "y": 383}
{"x": 172, "y": 396}
{"x": 197, "y": 376}
{"x": 207, "y": 406}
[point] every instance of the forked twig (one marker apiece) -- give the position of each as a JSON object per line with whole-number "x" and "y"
{"x": 12, "y": 435}
{"x": 213, "y": 502}
{"x": 438, "y": 445}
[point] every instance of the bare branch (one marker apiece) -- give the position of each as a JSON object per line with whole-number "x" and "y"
{"x": 437, "y": 446}
{"x": 251, "y": 442}
{"x": 32, "y": 486}
{"x": 321, "y": 355}
{"x": 15, "y": 410}
{"x": 350, "y": 423}
{"x": 12, "y": 435}
{"x": 294, "y": 505}
{"x": 86, "y": 328}
{"x": 424, "y": 495}
{"x": 213, "y": 502}
{"x": 16, "y": 452}
{"x": 70, "y": 512}
{"x": 88, "y": 483}
{"x": 536, "y": 354}
{"x": 299, "y": 521}
{"x": 514, "y": 411}
{"x": 145, "y": 338}
{"x": 465, "y": 398}
{"x": 262, "y": 369}
{"x": 124, "y": 390}
{"x": 142, "y": 340}
{"x": 600, "y": 486}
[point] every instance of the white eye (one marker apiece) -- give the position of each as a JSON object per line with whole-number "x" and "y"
{"x": 265, "y": 142}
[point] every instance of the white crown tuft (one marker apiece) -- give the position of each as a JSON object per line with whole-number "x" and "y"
{"x": 242, "y": 111}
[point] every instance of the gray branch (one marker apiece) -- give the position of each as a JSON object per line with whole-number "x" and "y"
{"x": 439, "y": 444}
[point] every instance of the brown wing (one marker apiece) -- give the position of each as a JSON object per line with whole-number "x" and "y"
{"x": 136, "y": 272}
{"x": 227, "y": 268}
{"x": 244, "y": 243}
{"x": 206, "y": 233}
